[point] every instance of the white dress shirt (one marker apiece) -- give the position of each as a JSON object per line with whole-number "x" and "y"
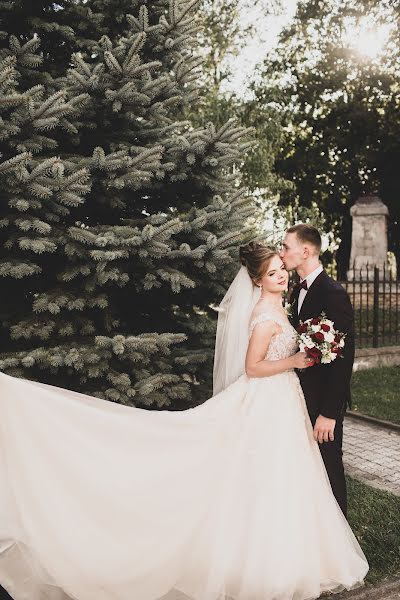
{"x": 310, "y": 280}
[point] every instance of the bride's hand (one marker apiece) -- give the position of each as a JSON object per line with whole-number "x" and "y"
{"x": 302, "y": 361}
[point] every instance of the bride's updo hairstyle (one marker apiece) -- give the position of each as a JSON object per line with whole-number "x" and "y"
{"x": 256, "y": 257}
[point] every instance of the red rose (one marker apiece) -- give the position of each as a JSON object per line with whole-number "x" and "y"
{"x": 318, "y": 337}
{"x": 337, "y": 351}
{"x": 314, "y": 353}
{"x": 325, "y": 327}
{"x": 314, "y": 321}
{"x": 302, "y": 328}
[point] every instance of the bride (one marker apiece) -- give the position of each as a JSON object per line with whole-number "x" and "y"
{"x": 229, "y": 500}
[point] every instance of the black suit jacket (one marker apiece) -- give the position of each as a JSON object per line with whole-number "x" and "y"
{"x": 327, "y": 387}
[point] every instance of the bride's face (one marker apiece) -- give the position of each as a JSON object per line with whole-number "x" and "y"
{"x": 276, "y": 278}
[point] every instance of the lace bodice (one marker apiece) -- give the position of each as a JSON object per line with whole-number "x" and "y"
{"x": 282, "y": 344}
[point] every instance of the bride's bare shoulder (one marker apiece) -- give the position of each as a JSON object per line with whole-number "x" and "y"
{"x": 268, "y": 314}
{"x": 262, "y": 313}
{"x": 261, "y": 307}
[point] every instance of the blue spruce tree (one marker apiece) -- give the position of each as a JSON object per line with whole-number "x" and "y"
{"x": 120, "y": 220}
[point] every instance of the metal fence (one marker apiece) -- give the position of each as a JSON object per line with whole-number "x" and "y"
{"x": 374, "y": 293}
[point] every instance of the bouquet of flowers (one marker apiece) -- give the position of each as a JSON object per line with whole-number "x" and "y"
{"x": 319, "y": 339}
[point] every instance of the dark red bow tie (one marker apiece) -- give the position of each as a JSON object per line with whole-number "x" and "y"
{"x": 302, "y": 285}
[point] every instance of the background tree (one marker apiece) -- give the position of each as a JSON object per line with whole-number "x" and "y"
{"x": 334, "y": 81}
{"x": 115, "y": 248}
{"x": 63, "y": 28}
{"x": 227, "y": 27}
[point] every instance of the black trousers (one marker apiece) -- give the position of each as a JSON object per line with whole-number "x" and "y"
{"x": 332, "y": 455}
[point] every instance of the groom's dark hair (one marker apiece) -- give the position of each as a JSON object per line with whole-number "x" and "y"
{"x": 307, "y": 234}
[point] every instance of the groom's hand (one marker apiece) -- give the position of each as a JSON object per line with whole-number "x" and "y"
{"x": 324, "y": 429}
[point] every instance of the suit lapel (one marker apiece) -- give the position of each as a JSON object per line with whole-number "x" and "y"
{"x": 295, "y": 317}
{"x": 311, "y": 295}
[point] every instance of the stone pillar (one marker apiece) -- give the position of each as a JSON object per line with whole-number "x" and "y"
{"x": 369, "y": 240}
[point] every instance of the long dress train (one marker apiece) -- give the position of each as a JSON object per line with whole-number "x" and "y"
{"x": 226, "y": 501}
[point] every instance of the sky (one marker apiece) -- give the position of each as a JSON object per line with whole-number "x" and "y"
{"x": 258, "y": 47}
{"x": 365, "y": 37}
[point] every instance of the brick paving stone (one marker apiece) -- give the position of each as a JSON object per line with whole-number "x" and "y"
{"x": 372, "y": 453}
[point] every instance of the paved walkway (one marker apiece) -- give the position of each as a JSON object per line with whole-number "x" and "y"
{"x": 385, "y": 590}
{"x": 372, "y": 453}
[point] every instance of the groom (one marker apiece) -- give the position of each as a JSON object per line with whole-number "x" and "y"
{"x": 326, "y": 387}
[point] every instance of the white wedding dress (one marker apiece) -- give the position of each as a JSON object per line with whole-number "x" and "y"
{"x": 226, "y": 501}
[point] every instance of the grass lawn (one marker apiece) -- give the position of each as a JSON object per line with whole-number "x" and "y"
{"x": 374, "y": 516}
{"x": 376, "y": 392}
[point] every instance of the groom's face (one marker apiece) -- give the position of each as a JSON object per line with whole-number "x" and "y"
{"x": 292, "y": 252}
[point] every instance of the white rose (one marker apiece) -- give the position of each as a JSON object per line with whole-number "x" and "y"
{"x": 329, "y": 336}
{"x": 333, "y": 355}
{"x": 308, "y": 341}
